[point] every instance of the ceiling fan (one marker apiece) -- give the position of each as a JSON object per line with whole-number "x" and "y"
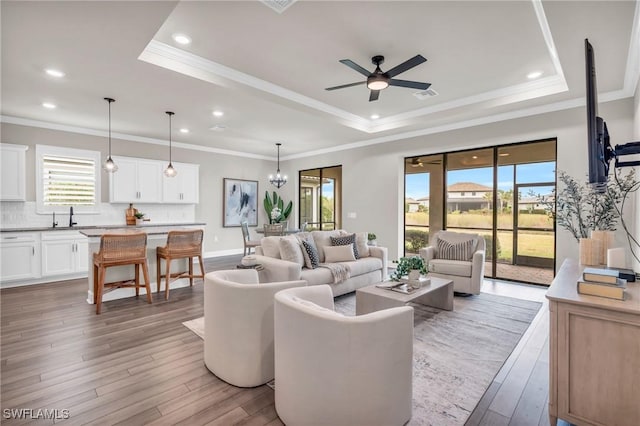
{"x": 379, "y": 80}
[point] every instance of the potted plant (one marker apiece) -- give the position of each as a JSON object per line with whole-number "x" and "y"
{"x": 371, "y": 239}
{"x": 139, "y": 217}
{"x": 411, "y": 267}
{"x": 275, "y": 208}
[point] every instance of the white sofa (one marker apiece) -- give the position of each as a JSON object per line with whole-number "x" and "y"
{"x": 467, "y": 275}
{"x": 369, "y": 269}
{"x": 338, "y": 370}
{"x": 238, "y": 326}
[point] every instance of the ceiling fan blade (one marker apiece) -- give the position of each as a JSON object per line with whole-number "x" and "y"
{"x": 353, "y": 65}
{"x": 409, "y": 84}
{"x": 406, "y": 65}
{"x": 374, "y": 95}
{"x": 345, "y": 85}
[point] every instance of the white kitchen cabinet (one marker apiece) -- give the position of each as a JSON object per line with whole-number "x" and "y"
{"x": 19, "y": 256}
{"x": 12, "y": 173}
{"x": 63, "y": 253}
{"x": 137, "y": 180}
{"x": 184, "y": 187}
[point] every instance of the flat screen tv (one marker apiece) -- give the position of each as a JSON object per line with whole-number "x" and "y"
{"x": 599, "y": 149}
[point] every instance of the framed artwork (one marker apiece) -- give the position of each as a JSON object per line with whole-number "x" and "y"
{"x": 239, "y": 202}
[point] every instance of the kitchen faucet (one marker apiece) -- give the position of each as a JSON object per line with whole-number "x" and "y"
{"x": 71, "y": 222}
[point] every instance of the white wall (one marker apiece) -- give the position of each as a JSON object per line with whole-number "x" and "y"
{"x": 373, "y": 176}
{"x": 636, "y": 137}
{"x": 213, "y": 168}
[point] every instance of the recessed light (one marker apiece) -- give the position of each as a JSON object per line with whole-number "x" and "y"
{"x": 181, "y": 39}
{"x": 503, "y": 154}
{"x": 54, "y": 73}
{"x": 374, "y": 116}
{"x": 534, "y": 74}
{"x": 475, "y": 157}
{"x": 49, "y": 105}
{"x": 183, "y": 130}
{"x": 218, "y": 128}
{"x": 218, "y": 113}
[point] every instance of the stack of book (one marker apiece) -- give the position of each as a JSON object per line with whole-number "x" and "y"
{"x": 602, "y": 282}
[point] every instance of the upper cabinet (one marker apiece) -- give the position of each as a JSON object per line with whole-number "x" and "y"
{"x": 184, "y": 187}
{"x": 140, "y": 180}
{"x": 137, "y": 180}
{"x": 12, "y": 187}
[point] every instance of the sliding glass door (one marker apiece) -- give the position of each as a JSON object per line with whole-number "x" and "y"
{"x": 493, "y": 192}
{"x": 321, "y": 198}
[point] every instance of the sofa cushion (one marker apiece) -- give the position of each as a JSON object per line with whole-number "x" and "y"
{"x": 290, "y": 250}
{"x": 345, "y": 240}
{"x": 461, "y": 250}
{"x": 310, "y": 253}
{"x": 271, "y": 246}
{"x": 458, "y": 268}
{"x": 361, "y": 244}
{"x": 323, "y": 239}
{"x": 316, "y": 276}
{"x": 364, "y": 265}
{"x": 340, "y": 253}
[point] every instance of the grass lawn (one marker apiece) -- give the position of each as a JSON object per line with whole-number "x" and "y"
{"x": 478, "y": 220}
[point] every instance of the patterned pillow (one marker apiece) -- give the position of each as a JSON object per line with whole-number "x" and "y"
{"x": 310, "y": 253}
{"x": 345, "y": 241}
{"x": 455, "y": 251}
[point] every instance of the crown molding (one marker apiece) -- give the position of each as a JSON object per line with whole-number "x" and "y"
{"x": 126, "y": 137}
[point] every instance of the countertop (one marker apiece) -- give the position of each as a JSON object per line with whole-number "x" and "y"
{"x": 103, "y": 228}
{"x": 148, "y": 229}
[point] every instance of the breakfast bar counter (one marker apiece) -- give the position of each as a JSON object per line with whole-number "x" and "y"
{"x": 156, "y": 237}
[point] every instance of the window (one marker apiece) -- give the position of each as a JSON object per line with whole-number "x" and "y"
{"x": 462, "y": 194}
{"x": 67, "y": 177}
{"x": 473, "y": 193}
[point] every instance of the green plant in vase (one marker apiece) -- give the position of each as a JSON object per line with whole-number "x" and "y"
{"x": 407, "y": 264}
{"x": 275, "y": 208}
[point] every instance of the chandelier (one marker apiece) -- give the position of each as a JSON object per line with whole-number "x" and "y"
{"x": 278, "y": 180}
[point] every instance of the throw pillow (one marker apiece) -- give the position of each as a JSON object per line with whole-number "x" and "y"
{"x": 310, "y": 253}
{"x": 271, "y": 246}
{"x": 345, "y": 241}
{"x": 290, "y": 250}
{"x": 361, "y": 244}
{"x": 322, "y": 239}
{"x": 334, "y": 254}
{"x": 455, "y": 251}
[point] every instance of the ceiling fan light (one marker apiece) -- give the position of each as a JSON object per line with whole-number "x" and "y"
{"x": 377, "y": 83}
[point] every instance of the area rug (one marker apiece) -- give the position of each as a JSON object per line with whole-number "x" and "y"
{"x": 456, "y": 353}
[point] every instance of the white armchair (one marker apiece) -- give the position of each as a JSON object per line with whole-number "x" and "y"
{"x": 467, "y": 274}
{"x": 238, "y": 326}
{"x": 337, "y": 370}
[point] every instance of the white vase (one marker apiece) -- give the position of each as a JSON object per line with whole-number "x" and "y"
{"x": 414, "y": 275}
{"x": 372, "y": 243}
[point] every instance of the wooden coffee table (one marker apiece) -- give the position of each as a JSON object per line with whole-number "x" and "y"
{"x": 438, "y": 294}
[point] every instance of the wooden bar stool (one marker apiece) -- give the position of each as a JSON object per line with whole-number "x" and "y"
{"x": 180, "y": 245}
{"x": 118, "y": 250}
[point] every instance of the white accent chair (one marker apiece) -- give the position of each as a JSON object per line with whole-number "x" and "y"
{"x": 467, "y": 275}
{"x": 238, "y": 326}
{"x": 338, "y": 370}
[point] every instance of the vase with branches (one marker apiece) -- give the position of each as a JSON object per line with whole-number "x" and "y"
{"x": 581, "y": 208}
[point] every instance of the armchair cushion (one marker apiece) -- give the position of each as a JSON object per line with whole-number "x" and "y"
{"x": 462, "y": 250}
{"x": 460, "y": 268}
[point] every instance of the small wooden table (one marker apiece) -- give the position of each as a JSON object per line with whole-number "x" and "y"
{"x": 438, "y": 294}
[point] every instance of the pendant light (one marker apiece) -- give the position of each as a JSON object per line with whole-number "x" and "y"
{"x": 278, "y": 180}
{"x": 109, "y": 166}
{"x": 170, "y": 171}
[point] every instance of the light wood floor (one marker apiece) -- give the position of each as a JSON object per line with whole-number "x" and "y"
{"x": 136, "y": 363}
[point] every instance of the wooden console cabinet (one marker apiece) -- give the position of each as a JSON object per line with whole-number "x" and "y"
{"x": 594, "y": 354}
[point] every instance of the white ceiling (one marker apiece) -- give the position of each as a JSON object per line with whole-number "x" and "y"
{"x": 267, "y": 71}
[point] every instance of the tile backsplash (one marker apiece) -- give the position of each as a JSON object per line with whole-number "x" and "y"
{"x": 23, "y": 215}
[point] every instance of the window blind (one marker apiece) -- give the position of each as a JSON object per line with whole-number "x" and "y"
{"x": 68, "y": 181}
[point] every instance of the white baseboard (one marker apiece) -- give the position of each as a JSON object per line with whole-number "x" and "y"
{"x": 220, "y": 253}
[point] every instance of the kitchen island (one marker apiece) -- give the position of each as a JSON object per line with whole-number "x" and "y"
{"x": 156, "y": 236}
